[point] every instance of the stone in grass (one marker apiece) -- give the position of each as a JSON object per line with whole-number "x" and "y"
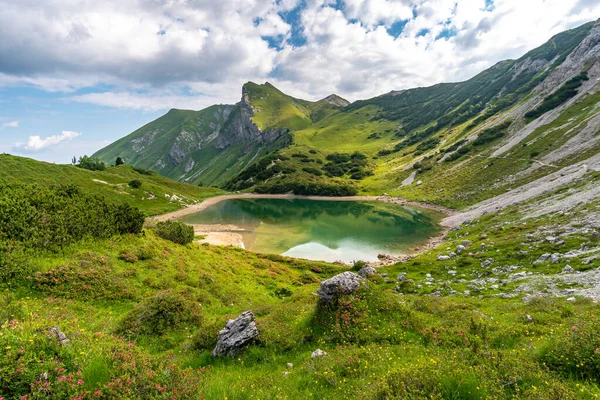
{"x": 568, "y": 270}
{"x": 346, "y": 282}
{"x": 236, "y": 334}
{"x": 442, "y": 257}
{"x": 59, "y": 335}
{"x": 318, "y": 353}
{"x": 460, "y": 248}
{"x": 366, "y": 271}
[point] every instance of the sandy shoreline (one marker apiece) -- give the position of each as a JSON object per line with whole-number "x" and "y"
{"x": 229, "y": 235}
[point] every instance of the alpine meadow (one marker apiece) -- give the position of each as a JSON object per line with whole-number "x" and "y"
{"x": 432, "y": 242}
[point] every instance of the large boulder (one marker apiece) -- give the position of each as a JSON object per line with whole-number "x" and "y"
{"x": 346, "y": 282}
{"x": 236, "y": 334}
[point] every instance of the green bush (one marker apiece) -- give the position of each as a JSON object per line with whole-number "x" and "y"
{"x": 135, "y": 183}
{"x": 175, "y": 231}
{"x": 576, "y": 352}
{"x": 159, "y": 313}
{"x": 91, "y": 163}
{"x": 53, "y": 217}
{"x": 119, "y": 161}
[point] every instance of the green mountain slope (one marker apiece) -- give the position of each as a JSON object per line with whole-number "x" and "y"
{"x": 157, "y": 195}
{"x": 213, "y": 145}
{"x": 443, "y": 136}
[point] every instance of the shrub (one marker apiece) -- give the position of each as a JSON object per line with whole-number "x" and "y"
{"x": 128, "y": 256}
{"x": 135, "y": 183}
{"x": 175, "y": 231}
{"x": 576, "y": 352}
{"x": 54, "y": 217}
{"x": 311, "y": 170}
{"x": 157, "y": 314}
{"x": 91, "y": 163}
{"x": 119, "y": 161}
{"x": 142, "y": 171}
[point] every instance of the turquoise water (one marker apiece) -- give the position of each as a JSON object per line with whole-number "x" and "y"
{"x": 323, "y": 230}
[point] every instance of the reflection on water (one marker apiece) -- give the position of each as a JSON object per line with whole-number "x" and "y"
{"x": 323, "y": 230}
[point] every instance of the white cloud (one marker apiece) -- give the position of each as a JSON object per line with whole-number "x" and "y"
{"x": 150, "y": 55}
{"x": 36, "y": 143}
{"x": 11, "y": 124}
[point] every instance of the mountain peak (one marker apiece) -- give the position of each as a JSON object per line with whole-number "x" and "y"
{"x": 336, "y": 100}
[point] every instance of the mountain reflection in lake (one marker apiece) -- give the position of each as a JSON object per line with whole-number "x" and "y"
{"x": 323, "y": 230}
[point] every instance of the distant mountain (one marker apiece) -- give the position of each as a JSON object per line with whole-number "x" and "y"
{"x": 462, "y": 142}
{"x": 213, "y": 145}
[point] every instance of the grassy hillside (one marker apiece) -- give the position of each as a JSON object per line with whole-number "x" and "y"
{"x": 157, "y": 195}
{"x": 142, "y": 315}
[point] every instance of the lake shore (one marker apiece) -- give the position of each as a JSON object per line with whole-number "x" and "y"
{"x": 229, "y": 235}
{"x": 217, "y": 199}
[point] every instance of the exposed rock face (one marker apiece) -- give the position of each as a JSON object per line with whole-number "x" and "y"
{"x": 241, "y": 129}
{"x": 59, "y": 335}
{"x": 236, "y": 334}
{"x": 346, "y": 282}
{"x": 336, "y": 100}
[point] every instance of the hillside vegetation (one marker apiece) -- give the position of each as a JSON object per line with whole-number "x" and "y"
{"x": 142, "y": 316}
{"x": 156, "y": 195}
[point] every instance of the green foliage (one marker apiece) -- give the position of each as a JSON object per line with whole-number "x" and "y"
{"x": 91, "y": 163}
{"x": 119, "y": 161}
{"x": 562, "y": 95}
{"x": 307, "y": 189}
{"x": 314, "y": 171}
{"x": 54, "y": 217}
{"x": 142, "y": 171}
{"x": 576, "y": 352}
{"x": 135, "y": 183}
{"x": 491, "y": 134}
{"x": 175, "y": 231}
{"x": 159, "y": 313}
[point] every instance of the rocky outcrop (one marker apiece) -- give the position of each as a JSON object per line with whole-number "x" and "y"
{"x": 336, "y": 100}
{"x": 59, "y": 335}
{"x": 241, "y": 129}
{"x": 236, "y": 335}
{"x": 367, "y": 271}
{"x": 346, "y": 282}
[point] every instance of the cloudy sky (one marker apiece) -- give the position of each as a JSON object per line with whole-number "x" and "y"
{"x": 76, "y": 75}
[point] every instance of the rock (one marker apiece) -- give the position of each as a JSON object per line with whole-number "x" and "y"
{"x": 550, "y": 239}
{"x": 460, "y": 248}
{"x": 318, "y": 353}
{"x": 290, "y": 365}
{"x": 419, "y": 183}
{"x": 442, "y": 257}
{"x": 571, "y": 299}
{"x": 528, "y": 318}
{"x": 402, "y": 277}
{"x": 487, "y": 263}
{"x": 366, "y": 271}
{"x": 518, "y": 275}
{"x": 284, "y": 373}
{"x": 452, "y": 254}
{"x": 568, "y": 270}
{"x": 467, "y": 292}
{"x": 466, "y": 243}
{"x": 384, "y": 275}
{"x": 543, "y": 258}
{"x": 236, "y": 334}
{"x": 452, "y": 272}
{"x": 483, "y": 236}
{"x": 346, "y": 282}
{"x": 554, "y": 258}
{"x": 59, "y": 335}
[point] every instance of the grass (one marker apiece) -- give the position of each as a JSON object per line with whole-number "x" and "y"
{"x": 157, "y": 194}
{"x": 379, "y": 344}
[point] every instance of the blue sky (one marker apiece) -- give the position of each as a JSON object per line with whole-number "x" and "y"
{"x": 76, "y": 75}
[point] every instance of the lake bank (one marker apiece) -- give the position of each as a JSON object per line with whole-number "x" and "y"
{"x": 235, "y": 232}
